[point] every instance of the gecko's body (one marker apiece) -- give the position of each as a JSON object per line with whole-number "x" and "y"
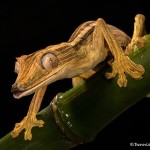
{"x": 75, "y": 56}
{"x": 87, "y": 47}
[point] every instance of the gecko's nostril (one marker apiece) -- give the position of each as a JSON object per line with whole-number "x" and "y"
{"x": 15, "y": 88}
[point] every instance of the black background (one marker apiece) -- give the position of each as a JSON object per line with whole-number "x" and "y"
{"x": 28, "y": 25}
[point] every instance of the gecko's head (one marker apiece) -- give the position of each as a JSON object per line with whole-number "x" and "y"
{"x": 42, "y": 68}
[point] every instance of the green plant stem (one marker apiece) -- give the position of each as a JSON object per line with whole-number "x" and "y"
{"x": 82, "y": 112}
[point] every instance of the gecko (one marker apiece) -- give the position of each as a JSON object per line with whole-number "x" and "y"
{"x": 87, "y": 47}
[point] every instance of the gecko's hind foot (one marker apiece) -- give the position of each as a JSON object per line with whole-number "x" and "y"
{"x": 124, "y": 65}
{"x": 27, "y": 123}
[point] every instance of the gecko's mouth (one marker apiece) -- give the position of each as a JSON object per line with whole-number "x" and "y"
{"x": 17, "y": 94}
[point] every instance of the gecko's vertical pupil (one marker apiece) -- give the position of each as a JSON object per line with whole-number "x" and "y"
{"x": 49, "y": 61}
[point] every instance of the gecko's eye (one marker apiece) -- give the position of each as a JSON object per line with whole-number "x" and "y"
{"x": 49, "y": 61}
{"x": 17, "y": 67}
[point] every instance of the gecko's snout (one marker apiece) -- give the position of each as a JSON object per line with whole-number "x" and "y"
{"x": 16, "y": 90}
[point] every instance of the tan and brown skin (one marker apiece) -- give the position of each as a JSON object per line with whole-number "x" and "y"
{"x": 86, "y": 48}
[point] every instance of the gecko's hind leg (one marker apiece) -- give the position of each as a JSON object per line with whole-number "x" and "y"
{"x": 81, "y": 78}
{"x": 122, "y": 63}
{"x": 139, "y": 31}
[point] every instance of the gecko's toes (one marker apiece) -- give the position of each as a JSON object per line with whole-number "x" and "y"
{"x": 125, "y": 65}
{"x": 27, "y": 123}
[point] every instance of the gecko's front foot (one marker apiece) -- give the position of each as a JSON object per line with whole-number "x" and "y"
{"x": 123, "y": 65}
{"x": 27, "y": 123}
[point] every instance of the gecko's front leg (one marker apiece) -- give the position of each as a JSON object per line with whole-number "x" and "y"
{"x": 122, "y": 63}
{"x": 30, "y": 120}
